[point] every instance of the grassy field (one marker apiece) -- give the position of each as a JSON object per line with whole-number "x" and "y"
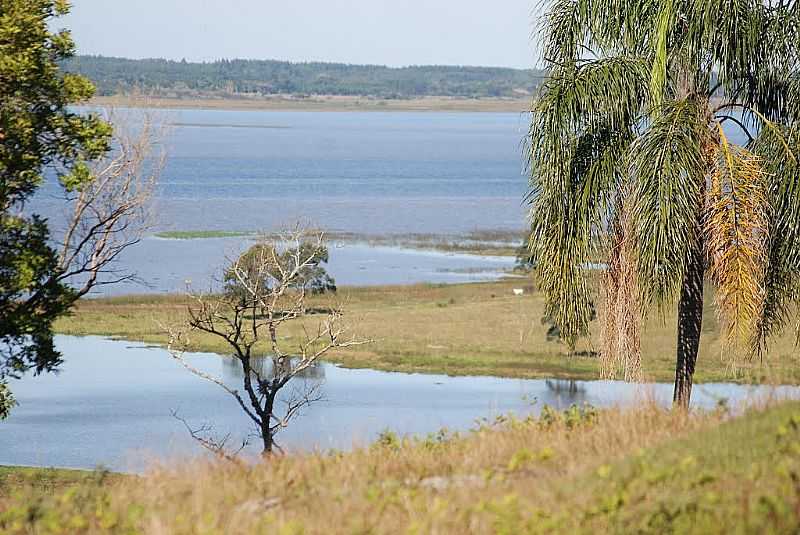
{"x": 334, "y": 103}
{"x": 466, "y": 329}
{"x": 644, "y": 470}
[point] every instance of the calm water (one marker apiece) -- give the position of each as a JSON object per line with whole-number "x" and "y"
{"x": 112, "y": 405}
{"x": 166, "y": 265}
{"x": 359, "y": 172}
{"x": 366, "y": 173}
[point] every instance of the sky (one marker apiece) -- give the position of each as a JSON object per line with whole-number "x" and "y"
{"x": 385, "y": 32}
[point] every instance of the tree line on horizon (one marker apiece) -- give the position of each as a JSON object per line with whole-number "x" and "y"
{"x": 237, "y": 77}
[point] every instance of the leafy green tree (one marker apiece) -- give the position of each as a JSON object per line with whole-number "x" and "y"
{"x": 627, "y": 147}
{"x": 267, "y": 262}
{"x": 38, "y": 134}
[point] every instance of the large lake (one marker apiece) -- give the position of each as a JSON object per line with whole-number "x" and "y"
{"x": 112, "y": 404}
{"x": 366, "y": 173}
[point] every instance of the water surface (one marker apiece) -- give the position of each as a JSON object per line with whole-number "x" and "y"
{"x": 167, "y": 265}
{"x": 363, "y": 172}
{"x": 357, "y": 172}
{"x": 112, "y": 404}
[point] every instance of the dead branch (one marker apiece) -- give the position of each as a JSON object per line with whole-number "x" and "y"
{"x": 219, "y": 447}
{"x": 262, "y": 297}
{"x": 112, "y": 212}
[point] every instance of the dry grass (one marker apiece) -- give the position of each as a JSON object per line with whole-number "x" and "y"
{"x": 14, "y": 480}
{"x": 467, "y": 329}
{"x": 645, "y": 470}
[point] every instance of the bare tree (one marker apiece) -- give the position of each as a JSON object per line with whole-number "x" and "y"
{"x": 112, "y": 212}
{"x": 251, "y": 321}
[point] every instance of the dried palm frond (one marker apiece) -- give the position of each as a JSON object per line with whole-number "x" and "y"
{"x": 736, "y": 232}
{"x": 621, "y": 325}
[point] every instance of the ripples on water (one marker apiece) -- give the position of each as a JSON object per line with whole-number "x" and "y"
{"x": 360, "y": 172}
{"x": 364, "y": 173}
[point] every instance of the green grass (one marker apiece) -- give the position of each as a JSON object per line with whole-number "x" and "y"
{"x": 465, "y": 329}
{"x": 741, "y": 476}
{"x": 643, "y": 470}
{"x": 478, "y": 242}
{"x": 202, "y": 234}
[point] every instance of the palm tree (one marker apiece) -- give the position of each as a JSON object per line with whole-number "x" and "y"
{"x": 632, "y": 163}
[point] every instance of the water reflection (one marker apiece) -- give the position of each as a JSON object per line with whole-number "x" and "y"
{"x": 112, "y": 404}
{"x": 566, "y": 390}
{"x": 264, "y": 366}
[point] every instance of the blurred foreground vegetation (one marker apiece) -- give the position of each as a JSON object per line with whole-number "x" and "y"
{"x": 644, "y": 470}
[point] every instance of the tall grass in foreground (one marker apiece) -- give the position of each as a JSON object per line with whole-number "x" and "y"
{"x": 640, "y": 470}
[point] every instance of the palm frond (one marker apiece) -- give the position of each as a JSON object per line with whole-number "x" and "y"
{"x": 658, "y": 73}
{"x": 668, "y": 166}
{"x": 579, "y": 29}
{"x": 753, "y": 47}
{"x": 567, "y": 210}
{"x": 779, "y": 150}
{"x": 564, "y": 32}
{"x": 736, "y": 234}
{"x": 607, "y": 93}
{"x": 580, "y": 129}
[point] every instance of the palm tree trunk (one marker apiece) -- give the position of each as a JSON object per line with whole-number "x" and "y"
{"x": 690, "y": 322}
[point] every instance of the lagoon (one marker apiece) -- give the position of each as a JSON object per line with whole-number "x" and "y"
{"x": 112, "y": 404}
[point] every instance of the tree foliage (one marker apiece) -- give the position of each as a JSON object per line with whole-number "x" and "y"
{"x": 304, "y": 262}
{"x": 106, "y": 179}
{"x": 633, "y": 118}
{"x": 38, "y": 133}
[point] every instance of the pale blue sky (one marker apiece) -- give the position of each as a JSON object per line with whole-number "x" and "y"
{"x": 390, "y": 32}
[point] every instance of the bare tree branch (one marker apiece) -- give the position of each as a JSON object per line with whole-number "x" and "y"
{"x": 265, "y": 295}
{"x": 112, "y": 212}
{"x": 216, "y": 446}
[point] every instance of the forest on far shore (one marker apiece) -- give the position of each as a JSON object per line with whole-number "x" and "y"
{"x": 182, "y": 79}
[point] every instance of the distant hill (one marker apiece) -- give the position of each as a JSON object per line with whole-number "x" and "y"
{"x": 165, "y": 78}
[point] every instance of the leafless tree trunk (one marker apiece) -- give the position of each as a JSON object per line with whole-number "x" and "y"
{"x": 112, "y": 212}
{"x": 249, "y": 319}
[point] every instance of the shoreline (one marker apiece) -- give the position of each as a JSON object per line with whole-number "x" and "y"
{"x": 463, "y": 329}
{"x": 322, "y": 103}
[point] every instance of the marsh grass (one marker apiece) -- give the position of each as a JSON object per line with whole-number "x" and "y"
{"x": 202, "y": 234}
{"x": 643, "y": 470}
{"x": 478, "y": 242}
{"x": 466, "y": 329}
